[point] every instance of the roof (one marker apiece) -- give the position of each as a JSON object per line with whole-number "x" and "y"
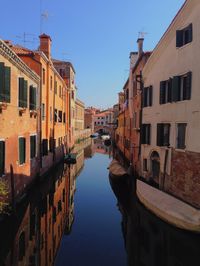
{"x": 18, "y": 49}
{"x": 67, "y": 63}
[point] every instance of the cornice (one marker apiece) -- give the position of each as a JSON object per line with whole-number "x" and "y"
{"x": 11, "y": 56}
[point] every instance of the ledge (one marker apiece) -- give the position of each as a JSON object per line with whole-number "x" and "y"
{"x": 168, "y": 208}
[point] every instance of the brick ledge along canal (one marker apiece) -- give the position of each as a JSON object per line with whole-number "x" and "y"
{"x": 78, "y": 217}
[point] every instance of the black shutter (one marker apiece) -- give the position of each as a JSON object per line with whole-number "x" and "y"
{"x": 169, "y": 94}
{"x": 190, "y": 37}
{"x": 150, "y": 95}
{"x": 179, "y": 38}
{"x": 2, "y": 83}
{"x": 25, "y": 93}
{"x": 176, "y": 89}
{"x": 159, "y": 134}
{"x": 162, "y": 92}
{"x": 21, "y": 92}
{"x": 7, "y": 84}
{"x": 2, "y": 157}
{"x": 188, "y": 86}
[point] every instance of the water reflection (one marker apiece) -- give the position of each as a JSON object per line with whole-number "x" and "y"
{"x": 148, "y": 240}
{"x": 32, "y": 235}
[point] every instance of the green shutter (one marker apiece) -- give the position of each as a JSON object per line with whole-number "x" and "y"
{"x": 188, "y": 86}
{"x": 7, "y": 84}
{"x": 22, "y": 150}
{"x": 162, "y": 92}
{"x": 33, "y": 146}
{"x": 150, "y": 95}
{"x": 169, "y": 94}
{"x": 31, "y": 97}
{"x": 190, "y": 32}
{"x": 2, "y": 81}
{"x": 176, "y": 89}
{"x": 2, "y": 157}
{"x": 179, "y": 38}
{"x": 34, "y": 98}
{"x": 21, "y": 92}
{"x": 25, "y": 93}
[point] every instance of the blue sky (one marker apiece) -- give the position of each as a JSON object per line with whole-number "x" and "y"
{"x": 95, "y": 35}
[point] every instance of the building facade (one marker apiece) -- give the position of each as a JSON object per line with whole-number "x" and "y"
{"x": 170, "y": 146}
{"x": 19, "y": 120}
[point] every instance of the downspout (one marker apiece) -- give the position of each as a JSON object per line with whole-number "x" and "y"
{"x": 54, "y": 142}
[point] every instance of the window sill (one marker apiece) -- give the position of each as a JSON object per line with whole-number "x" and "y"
{"x": 184, "y": 46}
{"x": 180, "y": 150}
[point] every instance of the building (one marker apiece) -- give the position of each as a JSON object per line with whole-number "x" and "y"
{"x": 19, "y": 119}
{"x": 89, "y": 117}
{"x": 103, "y": 121}
{"x": 68, "y": 73}
{"x": 53, "y": 101}
{"x": 119, "y": 132}
{"x": 170, "y": 154}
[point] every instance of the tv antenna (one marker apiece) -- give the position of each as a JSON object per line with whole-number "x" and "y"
{"x": 27, "y": 38}
{"x": 141, "y": 34}
{"x": 44, "y": 15}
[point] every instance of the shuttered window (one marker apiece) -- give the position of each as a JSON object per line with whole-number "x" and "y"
{"x": 181, "y": 87}
{"x": 60, "y": 116}
{"x": 146, "y": 134}
{"x": 32, "y": 147}
{"x": 22, "y": 150}
{"x": 2, "y": 157}
{"x": 23, "y": 90}
{"x": 32, "y": 98}
{"x": 147, "y": 96}
{"x": 166, "y": 91}
{"x": 64, "y": 117}
{"x": 5, "y": 78}
{"x": 181, "y": 133}
{"x": 184, "y": 36}
{"x": 163, "y": 134}
{"x": 55, "y": 115}
{"x": 44, "y": 147}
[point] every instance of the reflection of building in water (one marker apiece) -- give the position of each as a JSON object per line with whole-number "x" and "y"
{"x": 33, "y": 236}
{"x": 99, "y": 147}
{"x": 150, "y": 241}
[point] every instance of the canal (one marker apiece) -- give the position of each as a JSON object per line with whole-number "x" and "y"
{"x": 77, "y": 216}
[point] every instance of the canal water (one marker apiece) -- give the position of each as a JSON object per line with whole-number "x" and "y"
{"x": 77, "y": 216}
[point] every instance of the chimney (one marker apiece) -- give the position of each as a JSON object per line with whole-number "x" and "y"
{"x": 45, "y": 45}
{"x": 140, "y": 46}
{"x": 133, "y": 59}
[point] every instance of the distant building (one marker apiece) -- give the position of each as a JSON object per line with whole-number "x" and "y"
{"x": 103, "y": 121}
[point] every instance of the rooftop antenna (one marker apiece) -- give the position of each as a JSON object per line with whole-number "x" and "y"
{"x": 26, "y": 38}
{"x": 44, "y": 15}
{"x": 141, "y": 34}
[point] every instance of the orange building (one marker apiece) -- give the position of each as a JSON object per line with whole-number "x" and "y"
{"x": 19, "y": 121}
{"x": 54, "y": 102}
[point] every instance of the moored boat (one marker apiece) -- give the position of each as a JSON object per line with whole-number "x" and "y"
{"x": 117, "y": 171}
{"x": 70, "y": 158}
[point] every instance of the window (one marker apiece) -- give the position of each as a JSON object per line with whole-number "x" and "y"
{"x": 33, "y": 147}
{"x": 60, "y": 116}
{"x": 181, "y": 87}
{"x": 51, "y": 83}
{"x": 64, "y": 118}
{"x": 55, "y": 115}
{"x": 43, "y": 111}
{"x": 32, "y": 98}
{"x": 163, "y": 133}
{"x": 2, "y": 157}
{"x": 146, "y": 134}
{"x": 44, "y": 147}
{"x": 23, "y": 87}
{"x": 166, "y": 91}
{"x": 181, "y": 132}
{"x": 55, "y": 89}
{"x": 5, "y": 74}
{"x": 147, "y": 96}
{"x": 22, "y": 150}
{"x": 184, "y": 36}
{"x": 43, "y": 76}
{"x": 60, "y": 92}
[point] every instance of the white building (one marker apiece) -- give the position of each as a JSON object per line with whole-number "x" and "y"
{"x": 171, "y": 115}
